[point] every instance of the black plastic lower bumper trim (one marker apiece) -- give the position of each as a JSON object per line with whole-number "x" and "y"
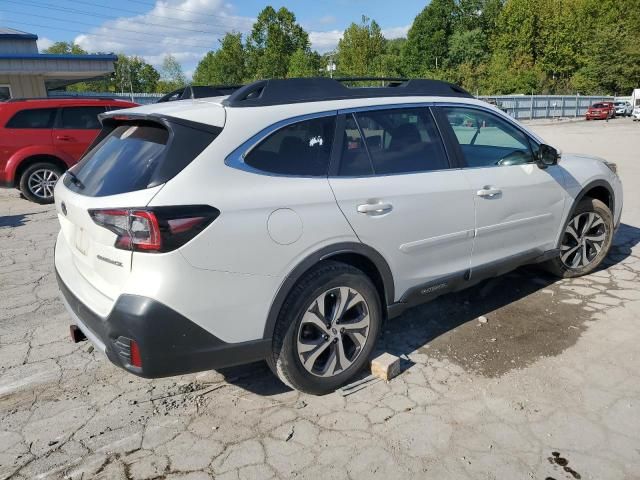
{"x": 169, "y": 343}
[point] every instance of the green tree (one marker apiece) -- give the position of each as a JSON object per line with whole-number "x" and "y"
{"x": 360, "y": 49}
{"x": 171, "y": 76}
{"x": 275, "y": 37}
{"x": 225, "y": 66}
{"x": 609, "y": 60}
{"x": 467, "y": 46}
{"x": 428, "y": 37}
{"x": 304, "y": 64}
{"x": 134, "y": 74}
{"x": 389, "y": 64}
{"x": 67, "y": 48}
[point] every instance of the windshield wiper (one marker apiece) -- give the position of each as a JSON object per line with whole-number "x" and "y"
{"x": 76, "y": 181}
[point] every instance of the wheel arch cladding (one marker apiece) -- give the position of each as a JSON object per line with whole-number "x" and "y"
{"x": 33, "y": 159}
{"x": 599, "y": 192}
{"x": 357, "y": 255}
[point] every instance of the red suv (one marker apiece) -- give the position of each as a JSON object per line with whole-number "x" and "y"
{"x": 601, "y": 111}
{"x": 41, "y": 138}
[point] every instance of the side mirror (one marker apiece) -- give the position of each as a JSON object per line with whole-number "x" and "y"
{"x": 547, "y": 156}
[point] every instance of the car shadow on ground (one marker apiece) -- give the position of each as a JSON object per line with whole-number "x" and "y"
{"x": 627, "y": 237}
{"x": 500, "y": 324}
{"x": 14, "y": 220}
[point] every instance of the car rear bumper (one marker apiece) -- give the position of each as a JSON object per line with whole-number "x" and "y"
{"x": 169, "y": 343}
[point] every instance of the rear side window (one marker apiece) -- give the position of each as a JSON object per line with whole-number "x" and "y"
{"x": 397, "y": 141}
{"x": 138, "y": 155}
{"x": 302, "y": 148}
{"x": 33, "y": 118}
{"x": 81, "y": 118}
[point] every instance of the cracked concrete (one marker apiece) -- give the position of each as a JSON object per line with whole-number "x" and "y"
{"x": 548, "y": 387}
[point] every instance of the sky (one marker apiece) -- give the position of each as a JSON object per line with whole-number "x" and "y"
{"x": 187, "y": 29}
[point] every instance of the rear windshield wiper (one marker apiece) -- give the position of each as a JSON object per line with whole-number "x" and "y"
{"x": 76, "y": 181}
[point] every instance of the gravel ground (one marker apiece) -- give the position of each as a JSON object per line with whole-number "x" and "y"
{"x": 547, "y": 388}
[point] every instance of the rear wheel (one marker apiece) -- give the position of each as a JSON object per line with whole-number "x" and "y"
{"x": 38, "y": 180}
{"x": 586, "y": 240}
{"x": 326, "y": 329}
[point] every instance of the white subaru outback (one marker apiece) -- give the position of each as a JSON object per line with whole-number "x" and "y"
{"x": 289, "y": 219}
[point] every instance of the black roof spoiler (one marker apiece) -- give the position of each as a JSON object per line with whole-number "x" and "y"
{"x": 299, "y": 90}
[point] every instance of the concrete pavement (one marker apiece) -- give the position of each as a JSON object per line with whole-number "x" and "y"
{"x": 548, "y": 387}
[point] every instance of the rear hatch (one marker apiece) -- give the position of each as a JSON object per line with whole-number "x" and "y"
{"x": 129, "y": 162}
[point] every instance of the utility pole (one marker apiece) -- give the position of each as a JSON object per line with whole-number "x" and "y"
{"x": 130, "y": 83}
{"x": 331, "y": 65}
{"x": 531, "y": 113}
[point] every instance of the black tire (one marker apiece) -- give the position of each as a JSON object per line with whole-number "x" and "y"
{"x": 285, "y": 360}
{"x": 49, "y": 172}
{"x": 588, "y": 205}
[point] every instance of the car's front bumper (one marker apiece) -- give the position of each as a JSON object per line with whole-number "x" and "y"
{"x": 169, "y": 343}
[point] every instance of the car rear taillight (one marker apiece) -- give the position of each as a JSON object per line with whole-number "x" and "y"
{"x": 159, "y": 229}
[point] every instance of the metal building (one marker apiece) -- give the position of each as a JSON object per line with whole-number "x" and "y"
{"x": 25, "y": 73}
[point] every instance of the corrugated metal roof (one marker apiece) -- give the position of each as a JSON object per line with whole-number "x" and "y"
{"x": 6, "y": 32}
{"x": 56, "y": 56}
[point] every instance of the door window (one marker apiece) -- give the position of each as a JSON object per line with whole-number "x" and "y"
{"x": 303, "y": 148}
{"x": 5, "y": 92}
{"x": 395, "y": 141}
{"x": 487, "y": 140}
{"x": 355, "y": 160}
{"x": 81, "y": 118}
{"x": 33, "y": 118}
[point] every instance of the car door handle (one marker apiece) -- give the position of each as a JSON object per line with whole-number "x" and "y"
{"x": 64, "y": 138}
{"x": 375, "y": 208}
{"x": 489, "y": 192}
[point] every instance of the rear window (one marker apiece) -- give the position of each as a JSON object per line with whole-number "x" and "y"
{"x": 135, "y": 156}
{"x": 302, "y": 149}
{"x": 598, "y": 105}
{"x": 81, "y": 118}
{"x": 33, "y": 118}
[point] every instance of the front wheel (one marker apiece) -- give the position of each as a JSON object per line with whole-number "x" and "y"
{"x": 38, "y": 180}
{"x": 326, "y": 329}
{"x": 586, "y": 240}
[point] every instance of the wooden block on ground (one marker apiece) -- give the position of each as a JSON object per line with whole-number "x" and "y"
{"x": 385, "y": 366}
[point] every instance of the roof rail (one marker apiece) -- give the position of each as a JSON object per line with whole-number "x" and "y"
{"x": 391, "y": 80}
{"x": 300, "y": 90}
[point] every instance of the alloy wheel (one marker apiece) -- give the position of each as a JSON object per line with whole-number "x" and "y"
{"x": 41, "y": 183}
{"x": 583, "y": 240}
{"x": 333, "y": 331}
